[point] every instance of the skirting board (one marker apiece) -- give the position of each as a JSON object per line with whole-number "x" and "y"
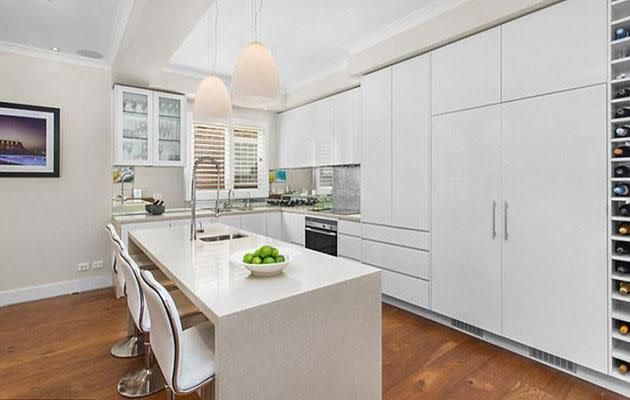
{"x": 586, "y": 374}
{"x": 31, "y": 293}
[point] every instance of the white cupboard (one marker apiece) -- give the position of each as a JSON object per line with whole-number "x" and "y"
{"x": 346, "y": 119}
{"x": 467, "y": 73}
{"x": 274, "y": 225}
{"x": 256, "y": 223}
{"x": 466, "y": 274}
{"x": 293, "y": 228}
{"x": 149, "y": 127}
{"x": 322, "y": 131}
{"x": 557, "y": 48}
{"x": 554, "y": 250}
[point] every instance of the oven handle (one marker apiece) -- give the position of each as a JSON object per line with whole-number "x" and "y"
{"x": 320, "y": 231}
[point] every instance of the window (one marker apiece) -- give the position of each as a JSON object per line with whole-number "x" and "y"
{"x": 211, "y": 141}
{"x": 246, "y": 158}
{"x": 324, "y": 180}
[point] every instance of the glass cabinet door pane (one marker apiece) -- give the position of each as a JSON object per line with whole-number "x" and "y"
{"x": 170, "y": 120}
{"x": 135, "y": 126}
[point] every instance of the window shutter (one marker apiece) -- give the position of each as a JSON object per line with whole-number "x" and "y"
{"x": 211, "y": 141}
{"x": 325, "y": 177}
{"x": 246, "y": 158}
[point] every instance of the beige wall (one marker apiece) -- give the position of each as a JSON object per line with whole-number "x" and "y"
{"x": 48, "y": 225}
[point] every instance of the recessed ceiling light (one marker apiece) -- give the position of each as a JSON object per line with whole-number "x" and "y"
{"x": 90, "y": 54}
{"x": 55, "y": 49}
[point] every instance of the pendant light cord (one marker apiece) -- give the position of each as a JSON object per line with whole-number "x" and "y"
{"x": 255, "y": 12}
{"x": 212, "y": 66}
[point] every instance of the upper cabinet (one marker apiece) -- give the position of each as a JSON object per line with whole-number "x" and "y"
{"x": 323, "y": 131}
{"x": 149, "y": 127}
{"x": 346, "y": 118}
{"x": 467, "y": 73}
{"x": 558, "y": 48}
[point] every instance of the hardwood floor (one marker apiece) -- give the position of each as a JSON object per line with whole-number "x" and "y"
{"x": 59, "y": 349}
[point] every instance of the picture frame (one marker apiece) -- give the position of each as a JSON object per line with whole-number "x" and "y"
{"x": 29, "y": 141}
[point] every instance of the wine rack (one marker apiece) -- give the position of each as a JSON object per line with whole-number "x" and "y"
{"x": 619, "y": 79}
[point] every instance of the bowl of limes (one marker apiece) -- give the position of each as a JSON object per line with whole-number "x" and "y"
{"x": 263, "y": 261}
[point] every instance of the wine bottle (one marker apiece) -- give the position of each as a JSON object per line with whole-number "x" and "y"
{"x": 621, "y": 189}
{"x": 621, "y": 151}
{"x": 622, "y": 171}
{"x": 623, "y": 329}
{"x": 622, "y": 131}
{"x": 622, "y": 112}
{"x": 622, "y": 268}
{"x": 624, "y": 210}
{"x": 622, "y": 368}
{"x": 624, "y": 229}
{"x": 624, "y": 287}
{"x": 621, "y": 93}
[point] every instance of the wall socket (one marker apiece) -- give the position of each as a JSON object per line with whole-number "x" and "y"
{"x": 97, "y": 264}
{"x": 82, "y": 267}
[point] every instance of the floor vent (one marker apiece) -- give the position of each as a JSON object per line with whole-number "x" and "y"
{"x": 467, "y": 327}
{"x": 553, "y": 360}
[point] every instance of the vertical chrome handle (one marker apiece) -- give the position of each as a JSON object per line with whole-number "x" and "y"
{"x": 494, "y": 219}
{"x": 505, "y": 220}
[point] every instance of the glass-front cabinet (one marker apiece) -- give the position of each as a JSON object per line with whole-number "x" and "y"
{"x": 149, "y": 127}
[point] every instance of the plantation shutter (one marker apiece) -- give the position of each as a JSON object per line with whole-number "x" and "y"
{"x": 325, "y": 177}
{"x": 211, "y": 141}
{"x": 246, "y": 158}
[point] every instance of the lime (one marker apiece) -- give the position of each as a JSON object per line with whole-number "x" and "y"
{"x": 247, "y": 258}
{"x": 257, "y": 253}
{"x": 266, "y": 251}
{"x": 269, "y": 260}
{"x": 256, "y": 260}
{"x": 275, "y": 252}
{"x": 279, "y": 259}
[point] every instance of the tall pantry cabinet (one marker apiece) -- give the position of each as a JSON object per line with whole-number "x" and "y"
{"x": 518, "y": 184}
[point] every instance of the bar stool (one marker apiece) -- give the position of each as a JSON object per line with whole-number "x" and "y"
{"x": 146, "y": 380}
{"x": 116, "y": 243}
{"x": 185, "y": 356}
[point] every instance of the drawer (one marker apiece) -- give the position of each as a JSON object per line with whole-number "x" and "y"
{"x": 349, "y": 228}
{"x": 410, "y": 290}
{"x": 394, "y": 258}
{"x": 349, "y": 247}
{"x": 401, "y": 237}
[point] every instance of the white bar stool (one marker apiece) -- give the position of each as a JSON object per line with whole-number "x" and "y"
{"x": 147, "y": 380}
{"x": 116, "y": 244}
{"x": 186, "y": 357}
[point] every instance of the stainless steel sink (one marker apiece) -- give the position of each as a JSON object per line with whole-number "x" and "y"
{"x": 221, "y": 238}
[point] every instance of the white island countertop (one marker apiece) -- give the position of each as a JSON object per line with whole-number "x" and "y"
{"x": 311, "y": 332}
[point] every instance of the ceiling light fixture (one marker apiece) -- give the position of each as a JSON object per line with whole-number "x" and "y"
{"x": 255, "y": 80}
{"x": 55, "y": 49}
{"x": 212, "y": 100}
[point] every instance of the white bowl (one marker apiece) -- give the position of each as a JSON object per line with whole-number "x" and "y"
{"x": 263, "y": 269}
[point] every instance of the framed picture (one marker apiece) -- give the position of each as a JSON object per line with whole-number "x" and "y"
{"x": 29, "y": 141}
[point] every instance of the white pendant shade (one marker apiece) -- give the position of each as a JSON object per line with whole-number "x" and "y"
{"x": 212, "y": 102}
{"x": 255, "y": 78}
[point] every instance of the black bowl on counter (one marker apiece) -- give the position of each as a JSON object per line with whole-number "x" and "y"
{"x": 155, "y": 209}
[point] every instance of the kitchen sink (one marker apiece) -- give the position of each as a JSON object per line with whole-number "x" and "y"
{"x": 220, "y": 238}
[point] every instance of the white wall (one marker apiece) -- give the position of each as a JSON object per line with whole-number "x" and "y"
{"x": 48, "y": 225}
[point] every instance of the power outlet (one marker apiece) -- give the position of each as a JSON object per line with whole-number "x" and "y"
{"x": 97, "y": 264}
{"x": 82, "y": 267}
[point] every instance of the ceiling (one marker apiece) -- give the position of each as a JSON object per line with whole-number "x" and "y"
{"x": 69, "y": 25}
{"x": 307, "y": 38}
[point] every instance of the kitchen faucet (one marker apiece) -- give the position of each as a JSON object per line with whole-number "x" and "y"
{"x": 228, "y": 203}
{"x": 125, "y": 175}
{"x": 193, "y": 195}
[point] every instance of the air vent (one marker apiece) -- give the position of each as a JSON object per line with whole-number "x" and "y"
{"x": 467, "y": 327}
{"x": 552, "y": 360}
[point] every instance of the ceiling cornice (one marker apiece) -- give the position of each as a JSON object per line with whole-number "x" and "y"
{"x": 15, "y": 48}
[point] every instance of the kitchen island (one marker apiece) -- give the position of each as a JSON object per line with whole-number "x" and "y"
{"x": 311, "y": 332}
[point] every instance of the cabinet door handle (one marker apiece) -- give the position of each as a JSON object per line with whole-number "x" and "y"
{"x": 494, "y": 219}
{"x": 505, "y": 220}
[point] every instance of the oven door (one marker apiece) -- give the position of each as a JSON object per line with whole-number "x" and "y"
{"x": 321, "y": 240}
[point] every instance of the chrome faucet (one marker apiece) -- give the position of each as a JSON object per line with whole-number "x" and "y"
{"x": 248, "y": 202}
{"x": 125, "y": 175}
{"x": 193, "y": 194}
{"x": 228, "y": 203}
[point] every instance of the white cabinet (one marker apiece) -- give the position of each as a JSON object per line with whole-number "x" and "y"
{"x": 554, "y": 255}
{"x": 274, "y": 225}
{"x": 398, "y": 259}
{"x": 256, "y": 223}
{"x": 346, "y": 118}
{"x": 395, "y": 145}
{"x": 376, "y": 162}
{"x": 149, "y": 127}
{"x": 322, "y": 131}
{"x": 405, "y": 288}
{"x": 465, "y": 250}
{"x": 467, "y": 73}
{"x": 293, "y": 228}
{"x": 410, "y": 144}
{"x": 349, "y": 247}
{"x": 557, "y": 48}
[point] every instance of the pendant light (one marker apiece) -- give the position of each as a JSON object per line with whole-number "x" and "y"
{"x": 255, "y": 77}
{"x": 212, "y": 100}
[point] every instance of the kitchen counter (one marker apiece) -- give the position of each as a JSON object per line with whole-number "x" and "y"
{"x": 311, "y": 332}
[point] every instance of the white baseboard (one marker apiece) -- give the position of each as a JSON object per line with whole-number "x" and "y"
{"x": 31, "y": 293}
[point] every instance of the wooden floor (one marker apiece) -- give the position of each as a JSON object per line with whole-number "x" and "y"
{"x": 59, "y": 349}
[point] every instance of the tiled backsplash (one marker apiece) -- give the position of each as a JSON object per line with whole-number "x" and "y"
{"x": 346, "y": 192}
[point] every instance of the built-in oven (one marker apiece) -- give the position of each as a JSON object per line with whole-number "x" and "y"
{"x": 321, "y": 235}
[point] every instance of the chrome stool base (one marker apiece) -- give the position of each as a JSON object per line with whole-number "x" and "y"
{"x": 129, "y": 347}
{"x": 141, "y": 383}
